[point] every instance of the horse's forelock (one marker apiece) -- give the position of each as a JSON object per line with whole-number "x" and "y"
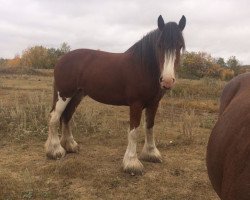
{"x": 172, "y": 38}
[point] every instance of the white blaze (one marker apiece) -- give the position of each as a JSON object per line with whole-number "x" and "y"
{"x": 168, "y": 67}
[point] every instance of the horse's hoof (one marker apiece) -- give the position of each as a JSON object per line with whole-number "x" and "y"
{"x": 133, "y": 167}
{"x": 54, "y": 150}
{"x": 151, "y": 156}
{"x": 56, "y": 153}
{"x": 70, "y": 146}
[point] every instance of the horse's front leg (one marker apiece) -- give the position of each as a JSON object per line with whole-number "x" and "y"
{"x": 149, "y": 152}
{"x": 131, "y": 164}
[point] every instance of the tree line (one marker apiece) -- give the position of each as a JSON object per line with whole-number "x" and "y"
{"x": 194, "y": 65}
{"x": 37, "y": 57}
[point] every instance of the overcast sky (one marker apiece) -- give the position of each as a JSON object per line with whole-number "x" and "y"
{"x": 221, "y": 28}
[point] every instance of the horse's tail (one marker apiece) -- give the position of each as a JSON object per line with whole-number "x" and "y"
{"x": 55, "y": 97}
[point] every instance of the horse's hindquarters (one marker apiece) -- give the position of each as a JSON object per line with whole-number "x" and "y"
{"x": 228, "y": 160}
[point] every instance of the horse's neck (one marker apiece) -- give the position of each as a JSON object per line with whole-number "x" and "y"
{"x": 146, "y": 55}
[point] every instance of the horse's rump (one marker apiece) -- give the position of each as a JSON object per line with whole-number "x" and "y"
{"x": 228, "y": 149}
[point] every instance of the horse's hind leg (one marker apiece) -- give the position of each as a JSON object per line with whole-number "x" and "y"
{"x": 53, "y": 147}
{"x": 67, "y": 139}
{"x": 149, "y": 152}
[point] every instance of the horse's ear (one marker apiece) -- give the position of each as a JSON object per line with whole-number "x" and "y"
{"x": 182, "y": 23}
{"x": 161, "y": 23}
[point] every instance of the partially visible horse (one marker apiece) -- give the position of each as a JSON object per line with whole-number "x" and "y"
{"x": 228, "y": 151}
{"x": 137, "y": 78}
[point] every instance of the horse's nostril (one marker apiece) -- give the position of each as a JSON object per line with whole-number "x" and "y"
{"x": 161, "y": 79}
{"x": 173, "y": 80}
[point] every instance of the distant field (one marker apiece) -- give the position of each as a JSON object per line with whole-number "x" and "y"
{"x": 183, "y": 125}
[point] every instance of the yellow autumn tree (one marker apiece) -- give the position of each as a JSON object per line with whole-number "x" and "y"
{"x": 15, "y": 62}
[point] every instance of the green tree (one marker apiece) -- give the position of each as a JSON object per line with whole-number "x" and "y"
{"x": 196, "y": 65}
{"x": 53, "y": 56}
{"x": 65, "y": 48}
{"x": 220, "y": 61}
{"x": 234, "y": 64}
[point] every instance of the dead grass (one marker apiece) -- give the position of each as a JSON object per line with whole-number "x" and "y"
{"x": 25, "y": 70}
{"x": 182, "y": 130}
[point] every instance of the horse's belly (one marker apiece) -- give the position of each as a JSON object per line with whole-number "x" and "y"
{"x": 109, "y": 99}
{"x": 107, "y": 94}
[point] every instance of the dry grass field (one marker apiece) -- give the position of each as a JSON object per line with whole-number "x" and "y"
{"x": 183, "y": 125}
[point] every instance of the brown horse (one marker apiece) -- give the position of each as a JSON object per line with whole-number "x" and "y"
{"x": 228, "y": 151}
{"x": 137, "y": 78}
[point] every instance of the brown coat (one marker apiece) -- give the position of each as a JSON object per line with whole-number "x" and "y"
{"x": 228, "y": 151}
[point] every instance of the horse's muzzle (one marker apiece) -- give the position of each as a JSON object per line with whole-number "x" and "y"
{"x": 167, "y": 83}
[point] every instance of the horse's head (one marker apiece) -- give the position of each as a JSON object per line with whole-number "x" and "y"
{"x": 169, "y": 45}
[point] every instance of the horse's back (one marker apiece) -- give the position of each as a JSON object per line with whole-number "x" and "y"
{"x": 77, "y": 61}
{"x": 82, "y": 68}
{"x": 228, "y": 152}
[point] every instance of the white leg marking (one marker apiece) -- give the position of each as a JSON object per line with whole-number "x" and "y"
{"x": 67, "y": 139}
{"x": 131, "y": 164}
{"x": 149, "y": 152}
{"x": 53, "y": 147}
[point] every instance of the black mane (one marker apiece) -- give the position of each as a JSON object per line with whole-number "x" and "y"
{"x": 145, "y": 50}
